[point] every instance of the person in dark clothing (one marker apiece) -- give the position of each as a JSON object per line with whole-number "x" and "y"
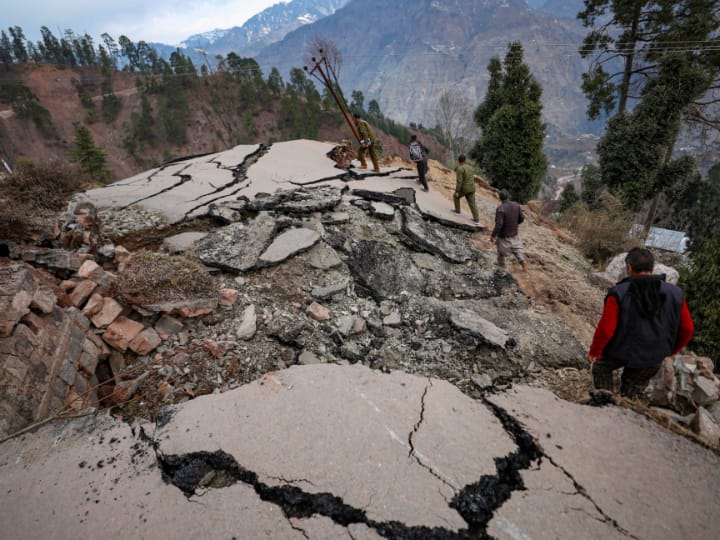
{"x": 508, "y": 215}
{"x": 644, "y": 320}
{"x": 418, "y": 155}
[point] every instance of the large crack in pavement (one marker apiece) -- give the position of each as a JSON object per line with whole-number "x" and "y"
{"x": 476, "y": 503}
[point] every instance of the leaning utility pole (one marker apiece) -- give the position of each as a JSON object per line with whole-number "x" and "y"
{"x": 325, "y": 80}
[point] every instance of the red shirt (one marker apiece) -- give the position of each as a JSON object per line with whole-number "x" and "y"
{"x": 608, "y": 323}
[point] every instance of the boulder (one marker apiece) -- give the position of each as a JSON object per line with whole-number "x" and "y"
{"x": 384, "y": 270}
{"x": 238, "y": 246}
{"x": 433, "y": 238}
{"x": 615, "y": 270}
{"x": 470, "y": 321}
{"x": 306, "y": 200}
{"x": 248, "y": 324}
{"x": 145, "y": 342}
{"x": 704, "y": 425}
{"x": 121, "y": 332}
{"x": 288, "y": 244}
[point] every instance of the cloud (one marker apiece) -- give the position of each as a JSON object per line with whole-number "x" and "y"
{"x": 165, "y": 21}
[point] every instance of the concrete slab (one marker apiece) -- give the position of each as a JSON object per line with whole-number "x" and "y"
{"x": 94, "y": 477}
{"x": 630, "y": 468}
{"x": 298, "y": 162}
{"x": 183, "y": 241}
{"x": 353, "y": 424}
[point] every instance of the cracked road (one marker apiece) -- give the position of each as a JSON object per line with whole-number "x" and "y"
{"x": 329, "y": 451}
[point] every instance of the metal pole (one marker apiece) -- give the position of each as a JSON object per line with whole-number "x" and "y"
{"x": 328, "y": 85}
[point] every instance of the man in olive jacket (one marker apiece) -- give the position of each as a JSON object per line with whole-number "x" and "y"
{"x": 367, "y": 143}
{"x": 465, "y": 187}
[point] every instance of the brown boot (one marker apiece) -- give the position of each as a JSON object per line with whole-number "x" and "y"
{"x": 362, "y": 167}
{"x": 376, "y": 170}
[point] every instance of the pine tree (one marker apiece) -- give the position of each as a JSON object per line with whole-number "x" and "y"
{"x": 89, "y": 157}
{"x": 569, "y": 197}
{"x": 510, "y": 150}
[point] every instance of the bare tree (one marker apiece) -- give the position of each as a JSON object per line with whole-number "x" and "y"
{"x": 454, "y": 116}
{"x": 320, "y": 47}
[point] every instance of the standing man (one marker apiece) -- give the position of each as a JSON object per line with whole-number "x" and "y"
{"x": 644, "y": 320}
{"x": 465, "y": 187}
{"x": 419, "y": 155}
{"x": 367, "y": 143}
{"x": 508, "y": 216}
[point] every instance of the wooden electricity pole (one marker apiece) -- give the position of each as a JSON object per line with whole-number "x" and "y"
{"x": 325, "y": 80}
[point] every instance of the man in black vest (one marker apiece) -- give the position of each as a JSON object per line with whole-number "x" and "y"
{"x": 644, "y": 320}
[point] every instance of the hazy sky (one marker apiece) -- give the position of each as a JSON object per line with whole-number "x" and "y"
{"x": 165, "y": 21}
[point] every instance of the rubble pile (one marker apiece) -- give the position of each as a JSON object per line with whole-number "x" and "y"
{"x": 687, "y": 392}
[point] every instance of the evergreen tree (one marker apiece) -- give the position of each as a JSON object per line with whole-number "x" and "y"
{"x": 18, "y": 45}
{"x": 510, "y": 147}
{"x": 6, "y": 51}
{"x": 591, "y": 182}
{"x": 374, "y": 109}
{"x": 89, "y": 157}
{"x": 569, "y": 197}
{"x": 357, "y": 105}
{"x": 701, "y": 284}
{"x": 275, "y": 82}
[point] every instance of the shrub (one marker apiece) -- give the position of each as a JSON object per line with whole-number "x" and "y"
{"x": 155, "y": 277}
{"x": 600, "y": 233}
{"x": 37, "y": 190}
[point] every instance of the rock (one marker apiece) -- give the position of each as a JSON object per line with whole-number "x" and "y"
{"x": 307, "y": 358}
{"x": 43, "y": 300}
{"x": 323, "y": 257}
{"x": 184, "y": 308}
{"x": 117, "y": 364}
{"x": 305, "y": 200}
{"x": 615, "y": 270}
{"x": 318, "y": 312}
{"x": 121, "y": 332}
{"x": 393, "y": 319}
{"x": 228, "y": 297}
{"x": 145, "y": 342}
{"x": 288, "y": 244}
{"x": 345, "y": 324}
{"x": 662, "y": 388}
{"x": 384, "y": 270}
{"x": 706, "y": 390}
{"x": 82, "y": 292}
{"x": 248, "y": 326}
{"x": 469, "y": 321}
{"x": 93, "y": 305}
{"x": 335, "y": 218}
{"x": 167, "y": 326}
{"x": 379, "y": 196}
{"x": 714, "y": 410}
{"x": 124, "y": 390}
{"x": 705, "y": 366}
{"x": 359, "y": 326}
{"x": 704, "y": 425}
{"x": 109, "y": 311}
{"x": 382, "y": 210}
{"x": 433, "y": 238}
{"x": 229, "y": 211}
{"x": 482, "y": 381}
{"x": 90, "y": 270}
{"x": 322, "y": 293}
{"x": 237, "y": 247}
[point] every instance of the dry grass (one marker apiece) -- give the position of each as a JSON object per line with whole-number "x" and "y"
{"x": 152, "y": 277}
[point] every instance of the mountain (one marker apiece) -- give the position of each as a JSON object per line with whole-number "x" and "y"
{"x": 268, "y": 26}
{"x": 563, "y": 8}
{"x": 406, "y": 53}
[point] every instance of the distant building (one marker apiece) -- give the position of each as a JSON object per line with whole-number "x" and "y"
{"x": 665, "y": 239}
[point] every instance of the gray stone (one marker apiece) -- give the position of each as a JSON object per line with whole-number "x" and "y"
{"x": 288, "y": 244}
{"x": 705, "y": 391}
{"x": 328, "y": 291}
{"x": 345, "y": 324}
{"x": 482, "y": 381}
{"x": 307, "y": 358}
{"x": 237, "y": 247}
{"x": 382, "y": 210}
{"x": 248, "y": 325}
{"x": 335, "y": 218}
{"x": 433, "y": 238}
{"x": 714, "y": 410}
{"x": 471, "y": 322}
{"x": 615, "y": 270}
{"x": 304, "y": 200}
{"x": 229, "y": 211}
{"x": 393, "y": 319}
{"x": 323, "y": 257}
{"x": 379, "y": 196}
{"x": 384, "y": 270}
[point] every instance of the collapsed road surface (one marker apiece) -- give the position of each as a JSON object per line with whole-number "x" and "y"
{"x": 332, "y": 451}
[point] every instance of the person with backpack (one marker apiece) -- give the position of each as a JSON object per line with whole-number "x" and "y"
{"x": 418, "y": 155}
